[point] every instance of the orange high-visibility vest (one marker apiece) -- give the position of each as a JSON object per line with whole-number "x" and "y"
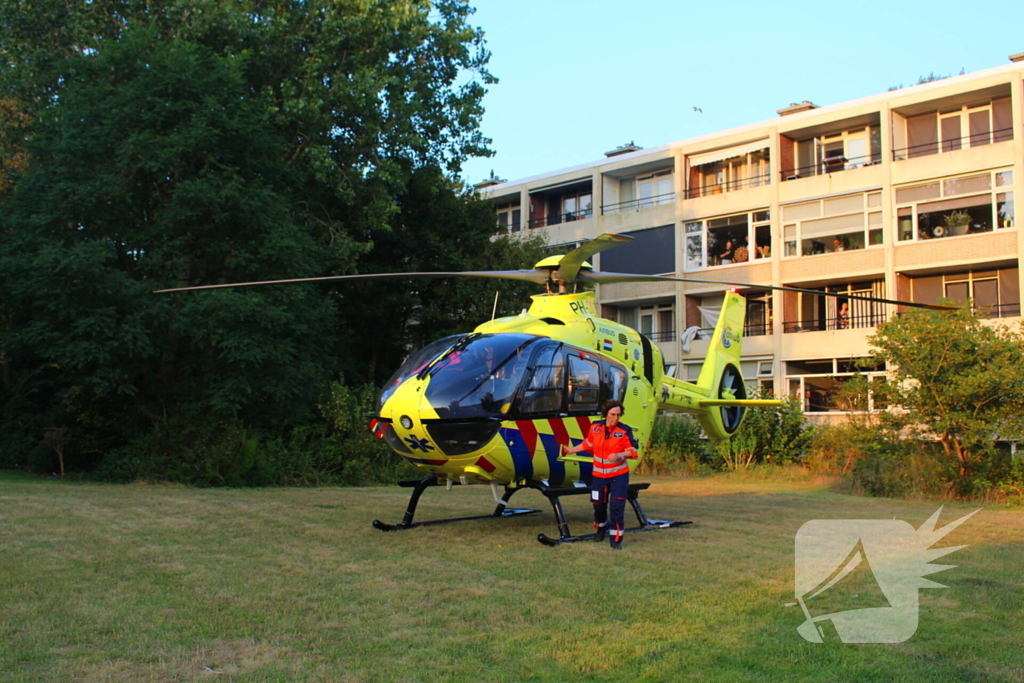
{"x": 603, "y": 441}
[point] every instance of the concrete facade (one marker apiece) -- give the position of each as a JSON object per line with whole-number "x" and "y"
{"x": 908, "y": 194}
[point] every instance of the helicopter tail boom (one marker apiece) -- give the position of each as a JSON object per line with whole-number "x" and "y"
{"x": 719, "y": 398}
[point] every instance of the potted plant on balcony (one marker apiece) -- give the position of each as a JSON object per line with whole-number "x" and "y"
{"x": 956, "y": 223}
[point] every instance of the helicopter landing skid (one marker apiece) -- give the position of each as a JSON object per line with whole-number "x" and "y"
{"x": 501, "y": 510}
{"x": 553, "y": 495}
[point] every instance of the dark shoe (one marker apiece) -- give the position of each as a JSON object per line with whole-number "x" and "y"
{"x": 616, "y": 545}
{"x": 600, "y": 533}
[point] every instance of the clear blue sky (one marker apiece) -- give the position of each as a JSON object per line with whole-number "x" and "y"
{"x": 580, "y": 77}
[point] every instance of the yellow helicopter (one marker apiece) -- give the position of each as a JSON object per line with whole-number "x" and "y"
{"x": 495, "y": 406}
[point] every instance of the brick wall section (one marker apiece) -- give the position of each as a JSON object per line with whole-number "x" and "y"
{"x": 856, "y": 262}
{"x": 1001, "y": 244}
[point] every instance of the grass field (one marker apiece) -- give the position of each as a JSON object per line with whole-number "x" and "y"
{"x": 153, "y": 583}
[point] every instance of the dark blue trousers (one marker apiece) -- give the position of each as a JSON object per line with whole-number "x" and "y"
{"x": 610, "y": 493}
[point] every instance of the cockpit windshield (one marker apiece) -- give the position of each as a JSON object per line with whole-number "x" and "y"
{"x": 480, "y": 377}
{"x": 416, "y": 362}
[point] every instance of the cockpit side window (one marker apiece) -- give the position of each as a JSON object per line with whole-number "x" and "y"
{"x": 584, "y": 384}
{"x": 545, "y": 392}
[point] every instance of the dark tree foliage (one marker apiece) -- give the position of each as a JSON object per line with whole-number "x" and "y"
{"x": 152, "y": 145}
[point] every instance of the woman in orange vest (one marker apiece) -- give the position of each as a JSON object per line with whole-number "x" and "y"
{"x": 611, "y": 442}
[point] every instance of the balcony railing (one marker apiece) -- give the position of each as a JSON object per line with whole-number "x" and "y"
{"x": 999, "y": 311}
{"x": 728, "y": 186}
{"x": 749, "y": 330}
{"x": 638, "y": 204}
{"x": 557, "y": 218}
{"x": 995, "y": 310}
{"x": 953, "y": 144}
{"x": 836, "y": 323}
{"x": 830, "y": 165}
{"x": 665, "y": 336}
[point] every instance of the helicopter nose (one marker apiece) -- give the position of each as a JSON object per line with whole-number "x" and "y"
{"x": 408, "y": 436}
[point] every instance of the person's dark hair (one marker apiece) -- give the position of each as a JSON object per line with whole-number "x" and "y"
{"x": 609, "y": 404}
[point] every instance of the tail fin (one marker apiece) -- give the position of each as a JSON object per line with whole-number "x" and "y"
{"x": 718, "y": 399}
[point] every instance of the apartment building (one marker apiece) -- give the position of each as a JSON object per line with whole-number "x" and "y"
{"x": 907, "y": 194}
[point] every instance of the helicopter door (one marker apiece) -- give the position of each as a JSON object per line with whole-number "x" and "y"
{"x": 584, "y": 384}
{"x": 545, "y": 390}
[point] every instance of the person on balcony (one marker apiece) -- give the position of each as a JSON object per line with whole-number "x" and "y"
{"x": 727, "y": 254}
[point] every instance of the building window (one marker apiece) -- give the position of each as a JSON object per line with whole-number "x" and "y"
{"x": 994, "y": 292}
{"x": 728, "y": 240}
{"x": 833, "y": 224}
{"x": 835, "y": 152}
{"x": 759, "y": 314}
{"x": 561, "y": 204}
{"x": 728, "y": 174}
{"x": 960, "y": 127}
{"x": 639, "y": 192}
{"x": 657, "y": 322}
{"x": 819, "y": 383}
{"x": 964, "y": 205}
{"x": 702, "y": 313}
{"x": 509, "y": 217}
{"x": 577, "y": 206}
{"x": 654, "y": 189}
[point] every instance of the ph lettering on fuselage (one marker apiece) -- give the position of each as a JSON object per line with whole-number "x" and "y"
{"x": 578, "y": 307}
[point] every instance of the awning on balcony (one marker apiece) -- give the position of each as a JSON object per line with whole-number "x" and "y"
{"x": 727, "y": 153}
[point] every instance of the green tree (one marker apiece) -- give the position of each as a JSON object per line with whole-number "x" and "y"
{"x": 437, "y": 228}
{"x": 171, "y": 144}
{"x": 958, "y": 380}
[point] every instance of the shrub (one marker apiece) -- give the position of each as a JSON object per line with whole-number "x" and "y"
{"x": 677, "y": 446}
{"x": 363, "y": 458}
{"x": 769, "y": 434}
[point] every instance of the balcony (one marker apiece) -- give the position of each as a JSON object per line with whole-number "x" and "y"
{"x": 953, "y": 144}
{"x": 559, "y": 218}
{"x": 999, "y": 311}
{"x": 749, "y": 330}
{"x": 830, "y": 165}
{"x": 661, "y": 336}
{"x": 638, "y": 204}
{"x": 727, "y": 186}
{"x": 838, "y": 322}
{"x": 562, "y": 203}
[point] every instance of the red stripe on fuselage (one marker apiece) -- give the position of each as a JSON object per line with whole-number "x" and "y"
{"x": 584, "y": 423}
{"x": 529, "y": 433}
{"x": 486, "y": 464}
{"x": 560, "y": 432}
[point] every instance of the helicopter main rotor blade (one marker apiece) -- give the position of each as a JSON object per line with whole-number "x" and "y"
{"x": 569, "y": 266}
{"x": 606, "y": 278}
{"x": 536, "y": 276}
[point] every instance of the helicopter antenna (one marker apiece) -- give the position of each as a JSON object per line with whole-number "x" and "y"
{"x": 494, "y": 311}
